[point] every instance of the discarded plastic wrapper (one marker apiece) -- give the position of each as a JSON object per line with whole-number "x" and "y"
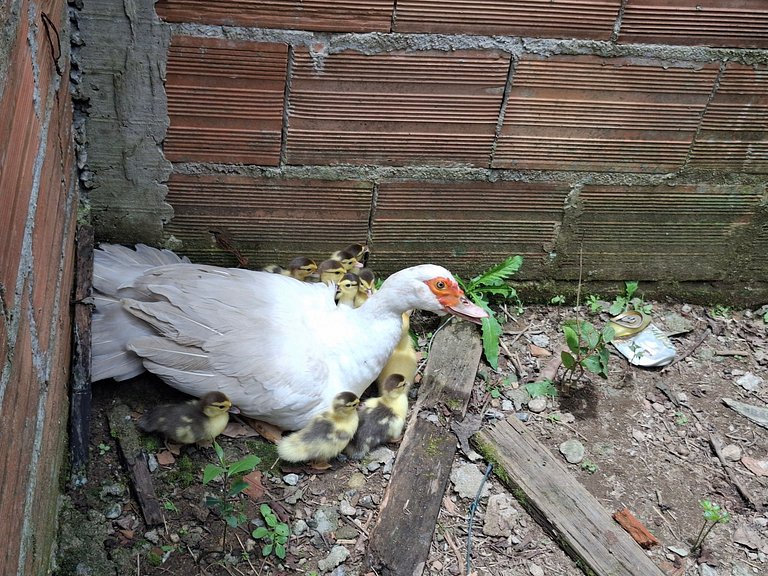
{"x": 640, "y": 341}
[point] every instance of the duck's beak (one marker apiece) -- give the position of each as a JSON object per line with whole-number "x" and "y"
{"x": 465, "y": 309}
{"x": 234, "y": 410}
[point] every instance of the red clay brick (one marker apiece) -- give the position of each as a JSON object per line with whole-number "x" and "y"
{"x": 733, "y": 136}
{"x": 735, "y": 23}
{"x": 418, "y": 221}
{"x": 593, "y": 19}
{"x": 320, "y": 15}
{"x": 274, "y": 217}
{"x": 225, "y": 100}
{"x": 19, "y": 414}
{"x": 438, "y": 108}
{"x": 590, "y": 113}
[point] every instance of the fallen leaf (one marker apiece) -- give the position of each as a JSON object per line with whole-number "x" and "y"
{"x": 757, "y": 467}
{"x": 538, "y": 351}
{"x": 165, "y": 458}
{"x": 238, "y": 430}
{"x": 255, "y": 489}
{"x": 175, "y": 449}
{"x": 449, "y": 505}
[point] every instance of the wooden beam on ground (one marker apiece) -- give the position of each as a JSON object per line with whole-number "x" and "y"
{"x": 560, "y": 504}
{"x": 400, "y": 540}
{"x": 80, "y": 377}
{"x": 135, "y": 460}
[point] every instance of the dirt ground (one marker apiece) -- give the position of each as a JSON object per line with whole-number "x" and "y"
{"x": 646, "y": 435}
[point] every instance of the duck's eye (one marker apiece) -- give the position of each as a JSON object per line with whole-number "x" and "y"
{"x": 440, "y": 285}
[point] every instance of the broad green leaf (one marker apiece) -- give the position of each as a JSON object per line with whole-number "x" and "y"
{"x": 282, "y": 529}
{"x": 232, "y": 521}
{"x": 618, "y": 306}
{"x": 592, "y": 336}
{"x": 266, "y": 550}
{"x": 608, "y": 333}
{"x": 505, "y": 291}
{"x": 631, "y": 288}
{"x": 236, "y": 488}
{"x": 212, "y": 471}
{"x": 605, "y": 357}
{"x": 247, "y": 464}
{"x": 265, "y": 509}
{"x": 260, "y": 533}
{"x": 213, "y": 502}
{"x": 219, "y": 452}
{"x": 280, "y": 551}
{"x": 491, "y": 330}
{"x": 281, "y": 539}
{"x": 571, "y": 338}
{"x": 271, "y": 520}
{"x": 541, "y": 388}
{"x": 568, "y": 361}
{"x": 592, "y": 363}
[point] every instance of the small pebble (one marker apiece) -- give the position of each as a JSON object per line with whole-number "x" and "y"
{"x": 291, "y": 479}
{"x": 658, "y": 407}
{"x": 535, "y": 570}
{"x": 573, "y": 450}
{"x": 732, "y": 452}
{"x": 541, "y": 340}
{"x": 537, "y": 404}
{"x": 152, "y": 536}
{"x": 299, "y": 527}
{"x": 152, "y": 463}
{"x": 114, "y": 511}
{"x": 347, "y": 509}
{"x": 337, "y": 555}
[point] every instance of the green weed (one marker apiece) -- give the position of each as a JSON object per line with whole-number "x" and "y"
{"x": 587, "y": 351}
{"x": 628, "y": 301}
{"x": 541, "y": 388}
{"x": 713, "y": 515}
{"x": 558, "y": 300}
{"x": 274, "y": 535}
{"x": 485, "y": 287}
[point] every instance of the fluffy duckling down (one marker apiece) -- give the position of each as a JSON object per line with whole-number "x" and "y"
{"x": 381, "y": 419}
{"x": 404, "y": 358}
{"x": 191, "y": 422}
{"x": 326, "y": 435}
{"x": 300, "y": 268}
{"x": 347, "y": 290}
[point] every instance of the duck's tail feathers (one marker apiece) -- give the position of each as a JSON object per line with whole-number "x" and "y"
{"x": 115, "y": 269}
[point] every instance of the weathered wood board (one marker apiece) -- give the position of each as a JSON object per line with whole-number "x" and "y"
{"x": 400, "y": 539}
{"x": 560, "y": 504}
{"x": 80, "y": 387}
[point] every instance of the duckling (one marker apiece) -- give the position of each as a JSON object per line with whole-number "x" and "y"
{"x": 331, "y": 271}
{"x": 325, "y": 436}
{"x": 366, "y": 286}
{"x": 300, "y": 268}
{"x": 403, "y": 359}
{"x": 359, "y": 251}
{"x": 348, "y": 260}
{"x": 347, "y": 290}
{"x": 382, "y": 418}
{"x": 191, "y": 422}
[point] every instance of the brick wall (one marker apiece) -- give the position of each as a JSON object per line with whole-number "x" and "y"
{"x": 628, "y": 134}
{"x": 37, "y": 215}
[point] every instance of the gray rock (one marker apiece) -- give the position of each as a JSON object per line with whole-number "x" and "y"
{"x": 152, "y": 536}
{"x": 337, "y": 555}
{"x": 368, "y": 502}
{"x": 707, "y": 570}
{"x": 573, "y": 450}
{"x": 325, "y": 520}
{"x": 519, "y": 396}
{"x": 152, "y": 463}
{"x": 732, "y": 452}
{"x": 299, "y": 527}
{"x": 294, "y": 495}
{"x": 540, "y": 340}
{"x": 347, "y": 509}
{"x": 291, "y": 479}
{"x": 674, "y": 324}
{"x": 538, "y": 404}
{"x": 535, "y": 570}
{"x": 466, "y": 480}
{"x": 738, "y": 569}
{"x": 500, "y": 515}
{"x": 111, "y": 490}
{"x": 357, "y": 480}
{"x": 382, "y": 454}
{"x": 750, "y": 382}
{"x": 507, "y": 405}
{"x": 114, "y": 511}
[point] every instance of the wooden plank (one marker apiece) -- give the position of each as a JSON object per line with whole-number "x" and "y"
{"x": 80, "y": 387}
{"x": 399, "y": 541}
{"x": 135, "y": 460}
{"x": 561, "y": 505}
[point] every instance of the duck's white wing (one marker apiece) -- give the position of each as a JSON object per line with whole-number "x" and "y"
{"x": 252, "y": 335}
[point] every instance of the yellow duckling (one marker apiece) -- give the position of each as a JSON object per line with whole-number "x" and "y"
{"x": 382, "y": 418}
{"x": 366, "y": 286}
{"x": 191, "y": 422}
{"x": 348, "y": 260}
{"x": 300, "y": 268}
{"x": 331, "y": 271}
{"x": 325, "y": 436}
{"x": 359, "y": 251}
{"x": 347, "y": 290}
{"x": 404, "y": 359}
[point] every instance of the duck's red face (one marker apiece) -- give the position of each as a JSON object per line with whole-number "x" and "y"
{"x": 453, "y": 300}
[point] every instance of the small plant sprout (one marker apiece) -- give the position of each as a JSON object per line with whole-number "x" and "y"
{"x": 481, "y": 290}
{"x": 232, "y": 485}
{"x": 720, "y": 311}
{"x": 558, "y": 300}
{"x": 170, "y": 506}
{"x": 681, "y": 419}
{"x": 274, "y": 535}
{"x": 541, "y": 388}
{"x": 713, "y": 515}
{"x": 103, "y": 448}
{"x": 594, "y": 303}
{"x": 628, "y": 301}
{"x": 586, "y": 351}
{"x": 588, "y": 466}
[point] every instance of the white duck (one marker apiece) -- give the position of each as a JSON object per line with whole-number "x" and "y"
{"x": 281, "y": 350}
